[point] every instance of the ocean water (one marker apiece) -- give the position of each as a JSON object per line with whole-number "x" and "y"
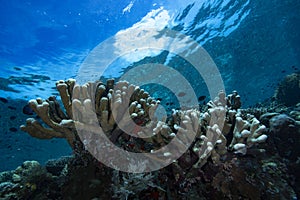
{"x": 254, "y": 44}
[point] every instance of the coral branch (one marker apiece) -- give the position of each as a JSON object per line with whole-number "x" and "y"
{"x": 125, "y": 112}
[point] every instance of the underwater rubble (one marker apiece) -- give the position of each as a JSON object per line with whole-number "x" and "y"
{"x": 250, "y": 153}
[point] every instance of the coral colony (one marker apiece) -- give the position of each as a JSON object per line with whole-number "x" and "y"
{"x": 228, "y": 157}
{"x": 210, "y": 141}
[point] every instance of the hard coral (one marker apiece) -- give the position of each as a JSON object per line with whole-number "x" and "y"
{"x": 246, "y": 133}
{"x": 234, "y": 100}
{"x": 122, "y": 109}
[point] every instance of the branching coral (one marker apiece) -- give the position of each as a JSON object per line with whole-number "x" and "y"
{"x": 59, "y": 124}
{"x": 234, "y": 100}
{"x": 125, "y": 111}
{"x": 246, "y": 133}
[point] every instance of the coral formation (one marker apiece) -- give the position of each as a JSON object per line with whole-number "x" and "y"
{"x": 234, "y": 178}
{"x": 288, "y": 90}
{"x": 234, "y": 100}
{"x": 24, "y": 181}
{"x": 247, "y": 133}
{"x": 281, "y": 127}
{"x": 296, "y": 113}
{"x": 220, "y": 132}
{"x": 117, "y": 105}
{"x": 53, "y": 116}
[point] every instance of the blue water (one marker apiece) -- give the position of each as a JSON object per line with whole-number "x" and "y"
{"x": 253, "y": 43}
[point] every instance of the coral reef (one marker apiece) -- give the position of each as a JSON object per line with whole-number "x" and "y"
{"x": 75, "y": 181}
{"x": 296, "y": 113}
{"x": 117, "y": 104}
{"x": 247, "y": 133}
{"x": 233, "y": 178}
{"x": 282, "y": 126}
{"x": 53, "y": 116}
{"x": 288, "y": 90}
{"x": 234, "y": 100}
{"x": 223, "y": 134}
{"x": 24, "y": 181}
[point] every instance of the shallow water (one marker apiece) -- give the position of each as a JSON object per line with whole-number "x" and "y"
{"x": 253, "y": 43}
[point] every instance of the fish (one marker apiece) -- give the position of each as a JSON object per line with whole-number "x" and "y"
{"x": 4, "y": 100}
{"x": 169, "y": 103}
{"x": 201, "y": 98}
{"x": 27, "y": 110}
{"x": 295, "y": 68}
{"x": 12, "y": 117}
{"x": 13, "y": 129}
{"x": 12, "y": 107}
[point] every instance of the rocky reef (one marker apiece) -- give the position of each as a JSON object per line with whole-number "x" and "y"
{"x": 288, "y": 90}
{"x": 235, "y": 153}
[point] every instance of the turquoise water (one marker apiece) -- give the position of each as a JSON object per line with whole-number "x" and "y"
{"x": 253, "y": 43}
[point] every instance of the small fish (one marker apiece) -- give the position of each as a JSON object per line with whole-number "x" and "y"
{"x": 201, "y": 98}
{"x": 13, "y": 129}
{"x": 27, "y": 110}
{"x": 12, "y": 107}
{"x": 4, "y": 100}
{"x": 12, "y": 117}
{"x": 169, "y": 103}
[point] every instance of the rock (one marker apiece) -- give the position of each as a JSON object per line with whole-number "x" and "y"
{"x": 281, "y": 122}
{"x": 265, "y": 118}
{"x": 286, "y": 136}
